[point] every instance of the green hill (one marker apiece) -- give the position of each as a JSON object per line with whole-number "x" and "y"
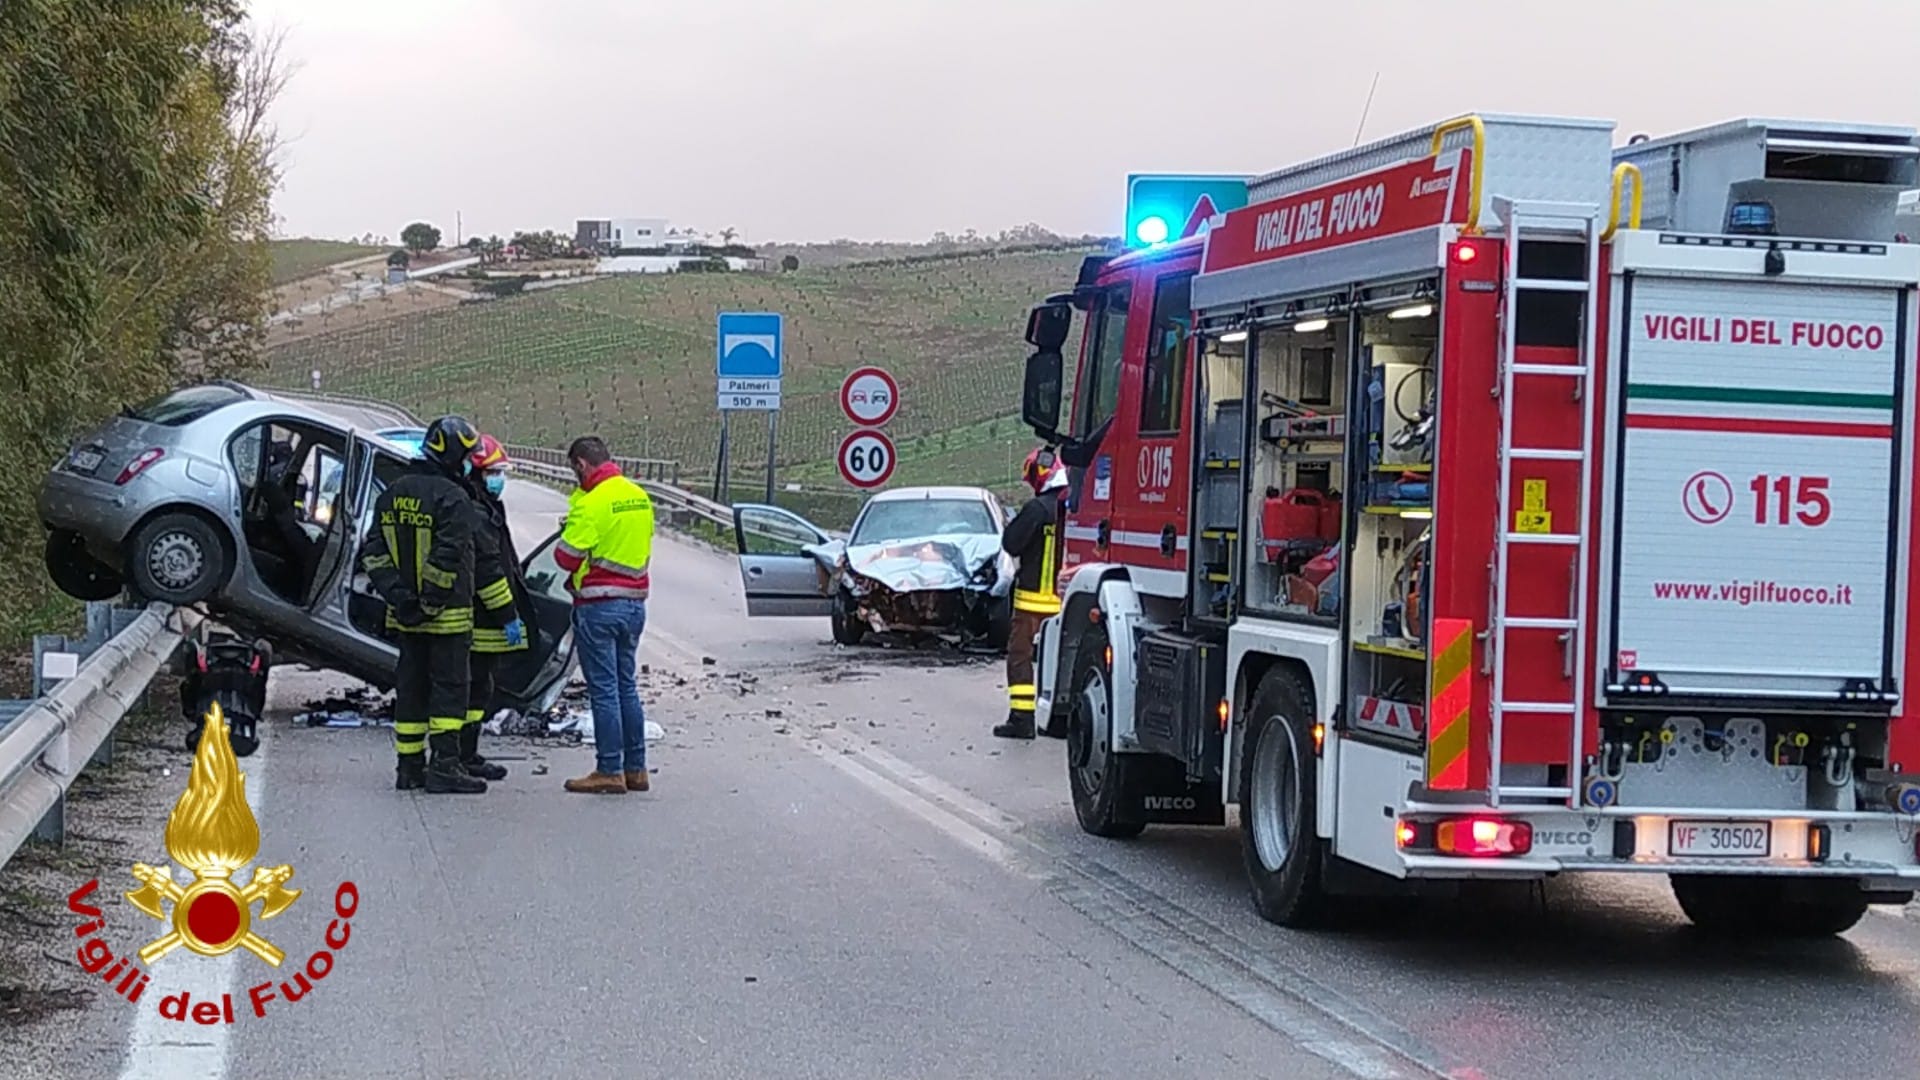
{"x": 632, "y": 358}
{"x": 295, "y": 259}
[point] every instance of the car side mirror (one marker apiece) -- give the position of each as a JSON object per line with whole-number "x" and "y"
{"x": 1047, "y": 326}
{"x": 1040, "y": 397}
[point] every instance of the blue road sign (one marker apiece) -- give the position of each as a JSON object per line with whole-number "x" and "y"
{"x": 751, "y": 345}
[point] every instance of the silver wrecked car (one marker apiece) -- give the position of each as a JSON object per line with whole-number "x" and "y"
{"x": 918, "y": 562}
{"x": 224, "y": 496}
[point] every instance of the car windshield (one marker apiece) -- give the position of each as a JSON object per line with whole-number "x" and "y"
{"x": 904, "y": 519}
{"x": 186, "y": 406}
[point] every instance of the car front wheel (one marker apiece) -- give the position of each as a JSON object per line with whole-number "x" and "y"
{"x": 177, "y": 558}
{"x": 847, "y": 627}
{"x": 76, "y": 572}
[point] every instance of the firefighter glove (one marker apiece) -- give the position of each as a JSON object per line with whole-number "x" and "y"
{"x": 516, "y": 633}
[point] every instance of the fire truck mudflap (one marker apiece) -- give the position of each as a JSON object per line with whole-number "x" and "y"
{"x": 1758, "y": 500}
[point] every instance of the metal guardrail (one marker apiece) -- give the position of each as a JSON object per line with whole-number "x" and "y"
{"x": 54, "y": 737}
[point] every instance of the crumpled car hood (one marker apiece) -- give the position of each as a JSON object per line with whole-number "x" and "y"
{"x": 920, "y": 564}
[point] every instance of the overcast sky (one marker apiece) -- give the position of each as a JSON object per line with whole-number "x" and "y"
{"x": 890, "y": 119}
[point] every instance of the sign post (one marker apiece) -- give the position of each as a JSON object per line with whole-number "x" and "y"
{"x": 750, "y": 362}
{"x": 869, "y": 397}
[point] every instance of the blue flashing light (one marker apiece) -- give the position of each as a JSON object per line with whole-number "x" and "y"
{"x": 1159, "y": 205}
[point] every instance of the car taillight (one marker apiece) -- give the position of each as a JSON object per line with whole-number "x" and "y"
{"x": 1479, "y": 837}
{"x": 139, "y": 465}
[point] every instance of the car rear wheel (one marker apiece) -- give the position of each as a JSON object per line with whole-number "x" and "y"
{"x": 177, "y": 559}
{"x": 76, "y": 572}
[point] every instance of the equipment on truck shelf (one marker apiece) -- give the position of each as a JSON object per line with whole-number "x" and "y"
{"x": 1616, "y": 583}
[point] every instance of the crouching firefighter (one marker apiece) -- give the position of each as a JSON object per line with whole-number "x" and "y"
{"x": 419, "y": 554}
{"x": 1033, "y": 538}
{"x": 500, "y": 626}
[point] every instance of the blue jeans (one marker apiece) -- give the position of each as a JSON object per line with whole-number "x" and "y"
{"x": 606, "y": 633}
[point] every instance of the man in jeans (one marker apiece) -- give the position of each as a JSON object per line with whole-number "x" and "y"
{"x": 605, "y": 548}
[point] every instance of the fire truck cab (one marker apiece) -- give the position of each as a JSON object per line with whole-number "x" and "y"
{"x": 1493, "y": 502}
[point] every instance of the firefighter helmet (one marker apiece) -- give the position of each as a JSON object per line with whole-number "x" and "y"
{"x": 449, "y": 442}
{"x": 489, "y": 455}
{"x": 1043, "y": 471}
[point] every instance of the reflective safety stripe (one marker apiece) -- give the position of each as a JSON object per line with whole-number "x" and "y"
{"x": 620, "y": 568}
{"x": 1450, "y": 708}
{"x": 474, "y": 716}
{"x": 1020, "y": 697}
{"x": 377, "y": 562}
{"x": 488, "y": 639}
{"x": 457, "y": 620}
{"x": 439, "y": 724}
{"x": 497, "y": 595}
{"x": 1043, "y": 603}
{"x": 433, "y": 575}
{"x": 410, "y": 736}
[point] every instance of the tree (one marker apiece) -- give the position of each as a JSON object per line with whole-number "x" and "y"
{"x": 420, "y": 237}
{"x": 727, "y": 234}
{"x": 474, "y": 245}
{"x": 790, "y": 263}
{"x": 136, "y": 174}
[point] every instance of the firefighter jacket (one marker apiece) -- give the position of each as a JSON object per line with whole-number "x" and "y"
{"x": 1033, "y": 538}
{"x": 503, "y": 589}
{"x": 607, "y": 541}
{"x": 419, "y": 553}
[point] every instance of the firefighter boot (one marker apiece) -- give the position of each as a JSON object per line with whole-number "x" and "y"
{"x": 445, "y": 775}
{"x": 1019, "y": 725}
{"x": 410, "y": 773}
{"x": 470, "y": 755}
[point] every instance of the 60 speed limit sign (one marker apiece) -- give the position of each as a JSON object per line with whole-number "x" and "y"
{"x": 866, "y": 459}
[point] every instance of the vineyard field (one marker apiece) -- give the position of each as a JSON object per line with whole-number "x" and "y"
{"x": 632, "y": 359}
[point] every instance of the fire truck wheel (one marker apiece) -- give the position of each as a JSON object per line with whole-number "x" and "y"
{"x": 1277, "y": 839}
{"x": 1734, "y": 906}
{"x": 847, "y": 627}
{"x": 1099, "y": 778}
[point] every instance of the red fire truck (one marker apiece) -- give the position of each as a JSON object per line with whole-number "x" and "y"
{"x": 1492, "y": 502}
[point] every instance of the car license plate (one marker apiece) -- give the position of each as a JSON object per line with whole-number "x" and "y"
{"x": 1720, "y": 839}
{"x": 86, "y": 460}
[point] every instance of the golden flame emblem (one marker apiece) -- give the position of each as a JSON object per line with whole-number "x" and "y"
{"x": 211, "y": 833}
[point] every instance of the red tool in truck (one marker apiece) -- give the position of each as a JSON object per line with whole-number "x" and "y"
{"x": 1490, "y": 502}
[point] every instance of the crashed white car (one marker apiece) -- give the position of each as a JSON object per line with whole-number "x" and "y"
{"x": 919, "y": 562}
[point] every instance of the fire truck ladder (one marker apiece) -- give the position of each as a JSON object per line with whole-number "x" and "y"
{"x": 1559, "y": 222}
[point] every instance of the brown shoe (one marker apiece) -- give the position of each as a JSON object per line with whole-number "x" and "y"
{"x": 637, "y": 781}
{"x": 598, "y": 783}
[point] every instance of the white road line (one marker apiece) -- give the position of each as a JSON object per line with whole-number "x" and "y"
{"x": 161, "y": 1049}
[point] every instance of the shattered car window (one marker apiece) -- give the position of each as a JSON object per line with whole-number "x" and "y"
{"x": 910, "y": 518}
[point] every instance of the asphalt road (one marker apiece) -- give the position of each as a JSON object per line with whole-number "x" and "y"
{"x": 839, "y": 873}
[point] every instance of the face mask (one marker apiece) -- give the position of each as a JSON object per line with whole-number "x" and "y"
{"x": 496, "y": 483}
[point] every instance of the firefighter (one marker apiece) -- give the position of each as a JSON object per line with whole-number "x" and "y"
{"x": 1033, "y": 538}
{"x": 500, "y": 626}
{"x": 419, "y": 553}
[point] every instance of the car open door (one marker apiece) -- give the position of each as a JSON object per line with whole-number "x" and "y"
{"x": 531, "y": 680}
{"x": 331, "y": 503}
{"x": 779, "y": 576}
